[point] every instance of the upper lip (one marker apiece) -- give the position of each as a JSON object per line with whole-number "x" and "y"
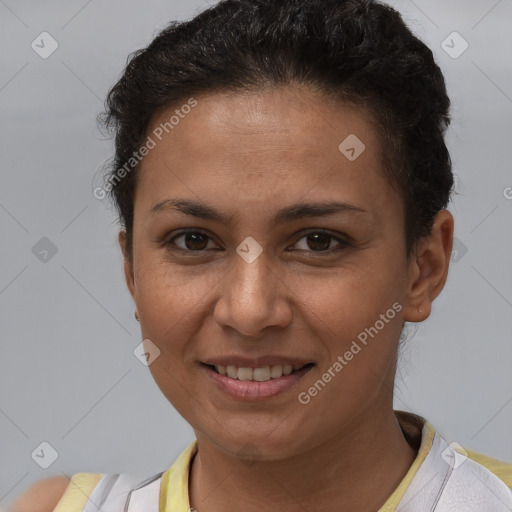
{"x": 258, "y": 362}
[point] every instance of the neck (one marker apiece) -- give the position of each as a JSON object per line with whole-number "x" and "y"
{"x": 355, "y": 471}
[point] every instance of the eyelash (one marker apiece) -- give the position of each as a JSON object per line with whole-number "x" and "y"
{"x": 169, "y": 242}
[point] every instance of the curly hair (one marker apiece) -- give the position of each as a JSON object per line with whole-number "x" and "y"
{"x": 358, "y": 51}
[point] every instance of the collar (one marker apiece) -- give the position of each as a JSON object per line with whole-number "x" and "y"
{"x": 418, "y": 432}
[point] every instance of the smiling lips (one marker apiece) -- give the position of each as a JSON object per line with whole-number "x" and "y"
{"x": 258, "y": 374}
{"x": 255, "y": 383}
{"x": 250, "y": 379}
{"x": 259, "y": 370}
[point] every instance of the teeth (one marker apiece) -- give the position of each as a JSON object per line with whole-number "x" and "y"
{"x": 276, "y": 371}
{"x": 257, "y": 374}
{"x": 231, "y": 371}
{"x": 244, "y": 374}
{"x": 261, "y": 374}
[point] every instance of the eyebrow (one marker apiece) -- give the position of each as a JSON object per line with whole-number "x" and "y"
{"x": 287, "y": 214}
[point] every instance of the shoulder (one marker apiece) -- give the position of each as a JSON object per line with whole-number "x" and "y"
{"x": 89, "y": 491}
{"x": 475, "y": 486}
{"x": 503, "y": 470}
{"x": 110, "y": 492}
{"x": 76, "y": 494}
{"x": 42, "y": 496}
{"x": 451, "y": 479}
{"x": 58, "y": 494}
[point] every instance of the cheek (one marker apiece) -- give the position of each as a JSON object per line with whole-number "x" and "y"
{"x": 165, "y": 288}
{"x": 358, "y": 323}
{"x": 169, "y": 302}
{"x": 350, "y": 299}
{"x": 168, "y": 306}
{"x": 356, "y": 317}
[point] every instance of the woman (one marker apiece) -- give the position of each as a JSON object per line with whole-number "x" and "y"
{"x": 281, "y": 179}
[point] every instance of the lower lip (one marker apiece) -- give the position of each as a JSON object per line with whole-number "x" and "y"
{"x": 252, "y": 390}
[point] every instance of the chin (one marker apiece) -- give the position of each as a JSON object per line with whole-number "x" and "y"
{"x": 252, "y": 445}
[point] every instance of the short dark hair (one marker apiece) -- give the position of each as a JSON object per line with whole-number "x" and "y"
{"x": 358, "y": 51}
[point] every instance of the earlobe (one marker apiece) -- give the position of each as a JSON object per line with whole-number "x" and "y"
{"x": 127, "y": 264}
{"x": 429, "y": 268}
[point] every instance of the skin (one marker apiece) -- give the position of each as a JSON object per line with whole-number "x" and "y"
{"x": 42, "y": 496}
{"x": 249, "y": 155}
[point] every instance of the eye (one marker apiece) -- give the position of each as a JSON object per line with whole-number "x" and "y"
{"x": 315, "y": 241}
{"x": 320, "y": 241}
{"x": 194, "y": 241}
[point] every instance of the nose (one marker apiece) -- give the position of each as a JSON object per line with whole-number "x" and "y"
{"x": 253, "y": 297}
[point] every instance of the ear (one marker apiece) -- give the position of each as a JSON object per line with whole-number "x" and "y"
{"x": 428, "y": 268}
{"x": 128, "y": 267}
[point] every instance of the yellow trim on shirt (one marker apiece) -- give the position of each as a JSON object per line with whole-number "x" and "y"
{"x": 174, "y": 487}
{"x": 174, "y": 493}
{"x": 427, "y": 438}
{"x": 503, "y": 470}
{"x": 77, "y": 492}
{"x": 174, "y": 484}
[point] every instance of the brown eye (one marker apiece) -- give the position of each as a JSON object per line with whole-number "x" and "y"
{"x": 315, "y": 242}
{"x": 193, "y": 241}
{"x": 320, "y": 241}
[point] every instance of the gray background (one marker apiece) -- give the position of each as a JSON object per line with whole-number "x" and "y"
{"x": 68, "y": 375}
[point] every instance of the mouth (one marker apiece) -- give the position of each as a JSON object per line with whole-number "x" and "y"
{"x": 248, "y": 383}
{"x": 261, "y": 374}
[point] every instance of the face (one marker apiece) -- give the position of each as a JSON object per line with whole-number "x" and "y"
{"x": 257, "y": 269}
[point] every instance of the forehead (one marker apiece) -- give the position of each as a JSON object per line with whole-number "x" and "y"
{"x": 270, "y": 144}
{"x": 265, "y": 121}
